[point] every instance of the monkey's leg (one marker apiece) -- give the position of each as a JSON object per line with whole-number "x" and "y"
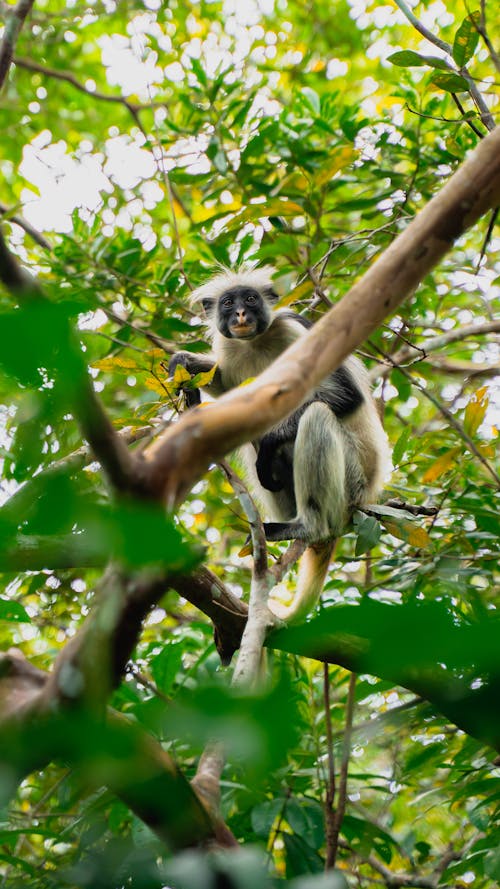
{"x": 319, "y": 476}
{"x": 320, "y": 465}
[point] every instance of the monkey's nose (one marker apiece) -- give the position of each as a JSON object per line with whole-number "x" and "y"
{"x": 241, "y": 316}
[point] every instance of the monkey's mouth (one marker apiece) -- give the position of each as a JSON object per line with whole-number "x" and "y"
{"x": 242, "y": 331}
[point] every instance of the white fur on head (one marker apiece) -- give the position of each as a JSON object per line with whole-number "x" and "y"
{"x": 260, "y": 279}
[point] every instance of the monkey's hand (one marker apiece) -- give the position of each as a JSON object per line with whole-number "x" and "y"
{"x": 267, "y": 465}
{"x": 192, "y": 397}
{"x": 184, "y": 359}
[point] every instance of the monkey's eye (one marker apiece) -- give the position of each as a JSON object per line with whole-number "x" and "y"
{"x": 251, "y": 300}
{"x": 227, "y": 303}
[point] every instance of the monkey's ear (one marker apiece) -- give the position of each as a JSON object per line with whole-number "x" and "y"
{"x": 208, "y": 304}
{"x": 271, "y": 294}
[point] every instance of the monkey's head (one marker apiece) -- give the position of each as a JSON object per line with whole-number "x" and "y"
{"x": 238, "y": 304}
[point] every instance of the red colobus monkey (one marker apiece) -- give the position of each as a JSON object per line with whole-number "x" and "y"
{"x": 328, "y": 458}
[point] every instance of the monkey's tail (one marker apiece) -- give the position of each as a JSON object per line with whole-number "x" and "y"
{"x": 313, "y": 568}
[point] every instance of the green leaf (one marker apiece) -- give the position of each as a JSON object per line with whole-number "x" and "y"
{"x": 13, "y": 612}
{"x": 165, "y": 666}
{"x": 306, "y": 818}
{"x": 199, "y": 72}
{"x": 264, "y": 815}
{"x": 492, "y": 864}
{"x": 301, "y": 858}
{"x": 451, "y": 83}
{"x": 368, "y": 531}
{"x": 410, "y": 59}
{"x": 466, "y": 39}
{"x": 312, "y": 99}
{"x": 401, "y": 445}
{"x": 407, "y": 59}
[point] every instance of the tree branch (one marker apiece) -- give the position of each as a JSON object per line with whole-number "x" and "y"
{"x": 344, "y": 769}
{"x": 145, "y": 777}
{"x": 13, "y": 27}
{"x": 67, "y": 77}
{"x": 14, "y": 217}
{"x": 355, "y": 637}
{"x": 408, "y": 352}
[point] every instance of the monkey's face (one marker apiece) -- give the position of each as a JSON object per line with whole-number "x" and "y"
{"x": 242, "y": 313}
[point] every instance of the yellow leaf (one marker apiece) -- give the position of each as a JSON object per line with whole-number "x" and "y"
{"x": 295, "y": 181}
{"x": 204, "y": 379}
{"x": 116, "y": 362}
{"x": 274, "y": 207}
{"x": 475, "y": 411}
{"x": 245, "y": 550}
{"x": 487, "y": 450}
{"x": 300, "y": 292}
{"x": 412, "y": 534}
{"x": 339, "y": 158}
{"x": 157, "y": 353}
{"x": 160, "y": 388}
{"x": 417, "y": 536}
{"x": 181, "y": 375}
{"x": 441, "y": 465}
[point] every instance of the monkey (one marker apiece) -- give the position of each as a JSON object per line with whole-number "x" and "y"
{"x": 327, "y": 458}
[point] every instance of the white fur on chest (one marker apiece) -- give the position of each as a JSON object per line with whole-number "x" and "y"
{"x": 241, "y": 359}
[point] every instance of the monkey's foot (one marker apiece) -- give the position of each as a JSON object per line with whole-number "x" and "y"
{"x": 284, "y": 531}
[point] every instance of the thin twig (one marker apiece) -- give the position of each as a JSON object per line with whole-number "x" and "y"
{"x": 344, "y": 769}
{"x": 409, "y": 351}
{"x": 488, "y": 236}
{"x": 330, "y": 783}
{"x": 481, "y": 29}
{"x": 464, "y": 116}
{"x": 67, "y": 77}
{"x": 449, "y": 416}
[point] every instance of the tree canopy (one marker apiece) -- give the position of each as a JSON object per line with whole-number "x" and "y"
{"x": 352, "y": 147}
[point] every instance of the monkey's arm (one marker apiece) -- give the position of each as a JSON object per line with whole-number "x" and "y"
{"x": 341, "y": 392}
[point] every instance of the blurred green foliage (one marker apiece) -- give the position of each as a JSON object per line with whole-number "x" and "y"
{"x": 150, "y": 142}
